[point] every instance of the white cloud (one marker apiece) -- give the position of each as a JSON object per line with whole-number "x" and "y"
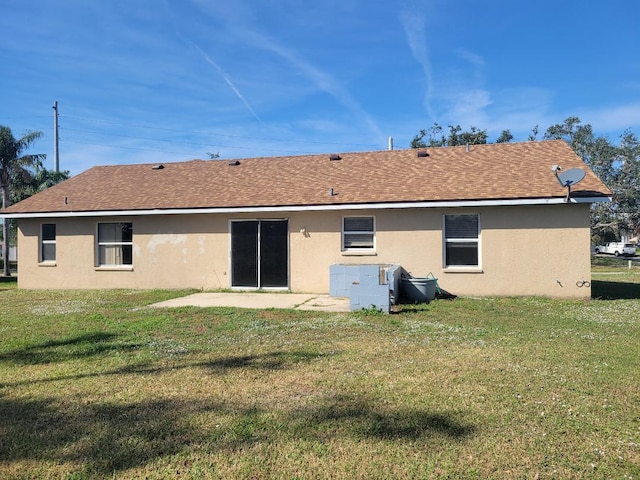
{"x": 471, "y": 57}
{"x": 468, "y": 107}
{"x": 616, "y": 118}
{"x": 520, "y": 110}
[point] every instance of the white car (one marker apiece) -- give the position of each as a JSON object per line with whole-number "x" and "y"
{"x": 617, "y": 248}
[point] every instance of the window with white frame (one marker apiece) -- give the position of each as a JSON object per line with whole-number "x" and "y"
{"x": 461, "y": 235}
{"x": 358, "y": 233}
{"x": 48, "y": 242}
{"x": 115, "y": 244}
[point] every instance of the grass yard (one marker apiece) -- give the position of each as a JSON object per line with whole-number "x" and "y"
{"x": 96, "y": 385}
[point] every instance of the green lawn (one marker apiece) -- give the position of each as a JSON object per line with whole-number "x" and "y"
{"x": 96, "y": 385}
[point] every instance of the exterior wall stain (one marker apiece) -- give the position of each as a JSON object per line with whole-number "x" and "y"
{"x": 525, "y": 250}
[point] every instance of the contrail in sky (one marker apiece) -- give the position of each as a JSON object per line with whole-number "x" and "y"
{"x": 414, "y": 28}
{"x": 226, "y": 79}
{"x": 321, "y": 79}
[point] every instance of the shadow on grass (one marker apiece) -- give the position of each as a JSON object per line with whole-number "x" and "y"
{"x": 106, "y": 438}
{"x": 267, "y": 362}
{"x": 362, "y": 418}
{"x": 614, "y": 290}
{"x": 62, "y": 350}
{"x": 103, "y": 437}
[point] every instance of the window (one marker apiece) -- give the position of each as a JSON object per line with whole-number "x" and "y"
{"x": 461, "y": 233}
{"x": 115, "y": 244}
{"x": 48, "y": 242}
{"x": 358, "y": 233}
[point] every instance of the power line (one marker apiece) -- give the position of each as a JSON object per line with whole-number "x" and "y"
{"x": 121, "y": 147}
{"x": 134, "y": 137}
{"x": 293, "y": 152}
{"x": 244, "y": 137}
{"x": 25, "y": 117}
{"x": 164, "y": 129}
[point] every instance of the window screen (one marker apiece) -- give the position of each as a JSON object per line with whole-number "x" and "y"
{"x": 48, "y": 242}
{"x": 358, "y": 233}
{"x": 461, "y": 240}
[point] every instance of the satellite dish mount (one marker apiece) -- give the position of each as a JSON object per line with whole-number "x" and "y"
{"x": 569, "y": 178}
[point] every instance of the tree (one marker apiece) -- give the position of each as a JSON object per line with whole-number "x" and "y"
{"x": 627, "y": 183}
{"x": 435, "y": 137}
{"x": 14, "y": 167}
{"x": 470, "y": 137}
{"x": 505, "y": 137}
{"x": 23, "y": 186}
{"x": 579, "y": 137}
{"x": 42, "y": 179}
{"x": 617, "y": 166}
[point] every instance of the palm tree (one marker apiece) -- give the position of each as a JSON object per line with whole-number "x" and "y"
{"x": 14, "y": 163}
{"x": 24, "y": 187}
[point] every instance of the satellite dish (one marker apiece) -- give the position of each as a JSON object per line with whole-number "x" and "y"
{"x": 570, "y": 177}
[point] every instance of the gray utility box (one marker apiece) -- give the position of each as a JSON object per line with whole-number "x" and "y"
{"x": 367, "y": 286}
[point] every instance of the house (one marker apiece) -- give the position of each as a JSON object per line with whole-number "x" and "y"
{"x": 13, "y": 254}
{"x": 485, "y": 219}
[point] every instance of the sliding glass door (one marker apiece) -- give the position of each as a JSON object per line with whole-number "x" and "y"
{"x": 259, "y": 253}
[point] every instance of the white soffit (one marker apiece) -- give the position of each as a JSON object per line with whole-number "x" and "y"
{"x": 315, "y": 208}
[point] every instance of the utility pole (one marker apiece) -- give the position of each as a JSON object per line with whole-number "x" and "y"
{"x": 56, "y": 156}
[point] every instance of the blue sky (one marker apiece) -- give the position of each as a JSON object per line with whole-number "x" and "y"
{"x": 168, "y": 80}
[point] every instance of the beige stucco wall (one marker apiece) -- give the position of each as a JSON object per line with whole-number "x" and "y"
{"x": 533, "y": 250}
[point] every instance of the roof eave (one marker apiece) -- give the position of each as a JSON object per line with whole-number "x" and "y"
{"x": 311, "y": 208}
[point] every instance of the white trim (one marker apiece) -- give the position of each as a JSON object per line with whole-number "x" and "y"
{"x": 458, "y": 269}
{"x": 114, "y": 268}
{"x": 312, "y": 208}
{"x": 48, "y": 263}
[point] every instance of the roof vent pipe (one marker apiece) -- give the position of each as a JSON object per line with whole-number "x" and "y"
{"x": 467, "y": 147}
{"x": 390, "y": 143}
{"x": 334, "y": 157}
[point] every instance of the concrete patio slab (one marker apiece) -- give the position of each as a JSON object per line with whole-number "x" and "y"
{"x": 297, "y": 301}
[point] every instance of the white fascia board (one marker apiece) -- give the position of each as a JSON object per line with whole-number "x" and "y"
{"x": 315, "y": 208}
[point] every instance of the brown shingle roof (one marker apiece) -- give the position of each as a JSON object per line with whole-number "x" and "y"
{"x": 485, "y": 172}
